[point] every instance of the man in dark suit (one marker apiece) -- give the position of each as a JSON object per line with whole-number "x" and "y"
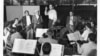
{"x": 27, "y": 24}
{"x": 27, "y": 19}
{"x": 72, "y": 21}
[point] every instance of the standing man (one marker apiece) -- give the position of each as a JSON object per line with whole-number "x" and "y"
{"x": 52, "y": 14}
{"x": 27, "y": 23}
{"x": 72, "y": 21}
{"x": 27, "y": 19}
{"x": 37, "y": 20}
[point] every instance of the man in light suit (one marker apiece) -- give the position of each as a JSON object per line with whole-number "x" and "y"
{"x": 37, "y": 20}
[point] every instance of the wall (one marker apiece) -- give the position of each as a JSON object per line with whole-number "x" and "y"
{"x": 31, "y": 9}
{"x": 14, "y": 12}
{"x": 18, "y": 11}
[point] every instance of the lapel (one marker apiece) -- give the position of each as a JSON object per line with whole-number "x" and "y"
{"x": 30, "y": 18}
{"x": 68, "y": 19}
{"x": 25, "y": 20}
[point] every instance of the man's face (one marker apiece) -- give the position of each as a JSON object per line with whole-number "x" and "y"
{"x": 26, "y": 13}
{"x": 71, "y": 13}
{"x": 50, "y": 7}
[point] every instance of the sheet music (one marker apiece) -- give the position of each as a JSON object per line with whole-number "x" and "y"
{"x": 57, "y": 50}
{"x": 40, "y": 31}
{"x": 24, "y": 46}
{"x": 74, "y": 36}
{"x": 85, "y": 34}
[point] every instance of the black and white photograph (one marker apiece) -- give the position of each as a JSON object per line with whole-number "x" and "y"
{"x": 50, "y": 28}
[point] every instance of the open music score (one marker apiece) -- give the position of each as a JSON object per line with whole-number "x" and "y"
{"x": 24, "y": 46}
{"x": 74, "y": 36}
{"x": 40, "y": 32}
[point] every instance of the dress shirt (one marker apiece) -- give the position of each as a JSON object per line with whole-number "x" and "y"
{"x": 28, "y": 20}
{"x": 71, "y": 20}
{"x": 52, "y": 15}
{"x": 86, "y": 33}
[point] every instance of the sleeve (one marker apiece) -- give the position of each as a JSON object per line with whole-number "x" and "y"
{"x": 55, "y": 16}
{"x": 45, "y": 12}
{"x": 80, "y": 48}
{"x": 40, "y": 19}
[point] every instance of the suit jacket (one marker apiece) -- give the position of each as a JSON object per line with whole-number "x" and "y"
{"x": 24, "y": 22}
{"x": 75, "y": 20}
{"x": 36, "y": 21}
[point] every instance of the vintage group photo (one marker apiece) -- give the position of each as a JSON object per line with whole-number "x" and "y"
{"x": 50, "y": 28}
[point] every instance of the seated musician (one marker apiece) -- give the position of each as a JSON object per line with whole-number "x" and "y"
{"x": 48, "y": 37}
{"x": 15, "y": 24}
{"x": 17, "y": 34}
{"x": 26, "y": 23}
{"x": 88, "y": 49}
{"x": 87, "y": 31}
{"x": 10, "y": 41}
{"x": 46, "y": 49}
{"x": 6, "y": 33}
